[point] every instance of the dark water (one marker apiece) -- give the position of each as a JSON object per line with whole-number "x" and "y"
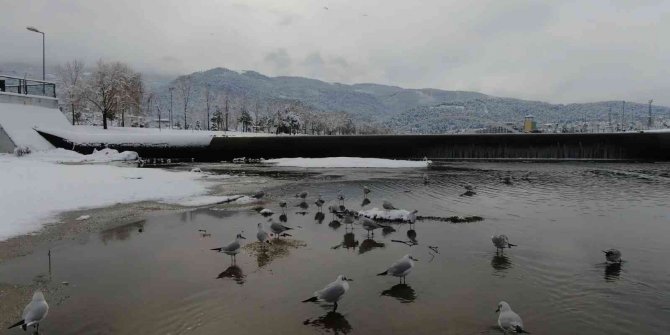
{"x": 165, "y": 280}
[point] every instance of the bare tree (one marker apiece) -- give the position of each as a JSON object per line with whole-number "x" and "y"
{"x": 71, "y": 80}
{"x": 207, "y": 103}
{"x": 184, "y": 85}
{"x": 110, "y": 86}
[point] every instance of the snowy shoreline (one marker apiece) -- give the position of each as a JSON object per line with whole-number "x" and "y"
{"x": 347, "y": 162}
{"x": 38, "y": 187}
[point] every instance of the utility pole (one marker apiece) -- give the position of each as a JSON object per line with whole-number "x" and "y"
{"x": 650, "y": 122}
{"x": 44, "y": 89}
{"x": 170, "y": 114}
{"x": 623, "y": 113}
{"x": 609, "y": 119}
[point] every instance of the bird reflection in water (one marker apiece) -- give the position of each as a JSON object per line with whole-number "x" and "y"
{"x": 387, "y": 230}
{"x": 303, "y": 205}
{"x": 401, "y": 292}
{"x": 233, "y": 272}
{"x": 334, "y": 224}
{"x": 283, "y": 218}
{"x": 331, "y": 322}
{"x": 349, "y": 241}
{"x": 365, "y": 202}
{"x": 369, "y": 244}
{"x": 319, "y": 217}
{"x": 501, "y": 262}
{"x": 411, "y": 235}
{"x": 612, "y": 271}
{"x": 262, "y": 257}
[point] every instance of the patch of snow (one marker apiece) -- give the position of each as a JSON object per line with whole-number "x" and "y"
{"x": 132, "y": 136}
{"x": 266, "y": 211}
{"x": 245, "y": 200}
{"x": 382, "y": 214}
{"x": 98, "y": 156}
{"x": 348, "y": 162}
{"x": 35, "y": 188}
{"x": 83, "y": 217}
{"x": 196, "y": 170}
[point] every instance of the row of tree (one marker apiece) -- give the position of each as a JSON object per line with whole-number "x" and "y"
{"x": 114, "y": 91}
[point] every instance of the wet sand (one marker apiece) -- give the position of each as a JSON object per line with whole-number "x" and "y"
{"x": 158, "y": 275}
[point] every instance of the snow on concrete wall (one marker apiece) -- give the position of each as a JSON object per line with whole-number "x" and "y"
{"x": 18, "y": 121}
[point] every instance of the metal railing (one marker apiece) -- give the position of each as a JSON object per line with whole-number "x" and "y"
{"x": 27, "y": 86}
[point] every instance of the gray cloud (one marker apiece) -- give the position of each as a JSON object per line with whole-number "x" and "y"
{"x": 559, "y": 51}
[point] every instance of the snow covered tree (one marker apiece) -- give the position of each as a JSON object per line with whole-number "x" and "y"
{"x": 71, "y": 81}
{"x": 245, "y": 119}
{"x": 184, "y": 86}
{"x": 217, "y": 119}
{"x": 110, "y": 86}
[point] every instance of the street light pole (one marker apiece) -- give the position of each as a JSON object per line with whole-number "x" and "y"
{"x": 35, "y": 30}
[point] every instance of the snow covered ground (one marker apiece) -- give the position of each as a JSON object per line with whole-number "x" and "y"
{"x": 36, "y": 187}
{"x": 347, "y": 162}
{"x": 383, "y": 214}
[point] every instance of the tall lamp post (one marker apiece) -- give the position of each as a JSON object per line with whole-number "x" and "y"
{"x": 35, "y": 30}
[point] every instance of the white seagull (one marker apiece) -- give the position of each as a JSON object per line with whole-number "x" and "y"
{"x": 333, "y": 292}
{"x": 233, "y": 248}
{"x": 370, "y": 225}
{"x": 278, "y": 228}
{"x": 509, "y": 321}
{"x": 613, "y": 255}
{"x": 411, "y": 218}
{"x": 401, "y": 268}
{"x": 262, "y": 235}
{"x": 501, "y": 242}
{"x": 33, "y": 313}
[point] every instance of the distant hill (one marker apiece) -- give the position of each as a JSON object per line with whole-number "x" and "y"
{"x": 402, "y": 110}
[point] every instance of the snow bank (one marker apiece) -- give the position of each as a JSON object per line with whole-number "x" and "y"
{"x": 205, "y": 200}
{"x": 18, "y": 122}
{"x": 347, "y": 162}
{"x": 132, "y": 136}
{"x": 382, "y": 214}
{"x": 34, "y": 189}
{"x": 66, "y": 156}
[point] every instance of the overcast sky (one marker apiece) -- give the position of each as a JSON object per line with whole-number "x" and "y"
{"x": 557, "y": 51}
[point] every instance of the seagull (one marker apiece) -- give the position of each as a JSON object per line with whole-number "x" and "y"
{"x": 333, "y": 292}
{"x": 262, "y": 235}
{"x": 401, "y": 268}
{"x": 411, "y": 218}
{"x": 509, "y": 321}
{"x": 370, "y": 225}
{"x": 387, "y": 205}
{"x": 501, "y": 242}
{"x": 33, "y": 313}
{"x": 258, "y": 195}
{"x": 278, "y": 228}
{"x": 233, "y": 248}
{"x": 340, "y": 197}
{"x": 348, "y": 219}
{"x": 613, "y": 255}
{"x": 366, "y": 191}
{"x": 302, "y": 194}
{"x": 468, "y": 187}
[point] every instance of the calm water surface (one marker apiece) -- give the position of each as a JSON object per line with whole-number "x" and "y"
{"x": 159, "y": 277}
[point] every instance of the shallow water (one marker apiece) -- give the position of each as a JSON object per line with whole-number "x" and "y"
{"x": 159, "y": 276}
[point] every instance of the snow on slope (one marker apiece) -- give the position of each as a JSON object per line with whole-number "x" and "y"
{"x": 133, "y": 136}
{"x": 35, "y": 189}
{"x": 18, "y": 122}
{"x": 347, "y": 162}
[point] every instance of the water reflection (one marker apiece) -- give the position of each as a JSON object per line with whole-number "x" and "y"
{"x": 233, "y": 272}
{"x": 369, "y": 244}
{"x": 387, "y": 230}
{"x": 501, "y": 262}
{"x": 334, "y": 224}
{"x": 349, "y": 241}
{"x": 411, "y": 235}
{"x": 365, "y": 202}
{"x": 121, "y": 233}
{"x": 402, "y": 292}
{"x": 303, "y": 205}
{"x": 331, "y": 322}
{"x": 612, "y": 271}
{"x": 319, "y": 217}
{"x": 283, "y": 218}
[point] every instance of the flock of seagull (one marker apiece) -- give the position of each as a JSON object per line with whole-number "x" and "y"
{"x": 508, "y": 320}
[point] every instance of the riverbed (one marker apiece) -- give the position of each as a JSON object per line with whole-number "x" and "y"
{"x": 158, "y": 274}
